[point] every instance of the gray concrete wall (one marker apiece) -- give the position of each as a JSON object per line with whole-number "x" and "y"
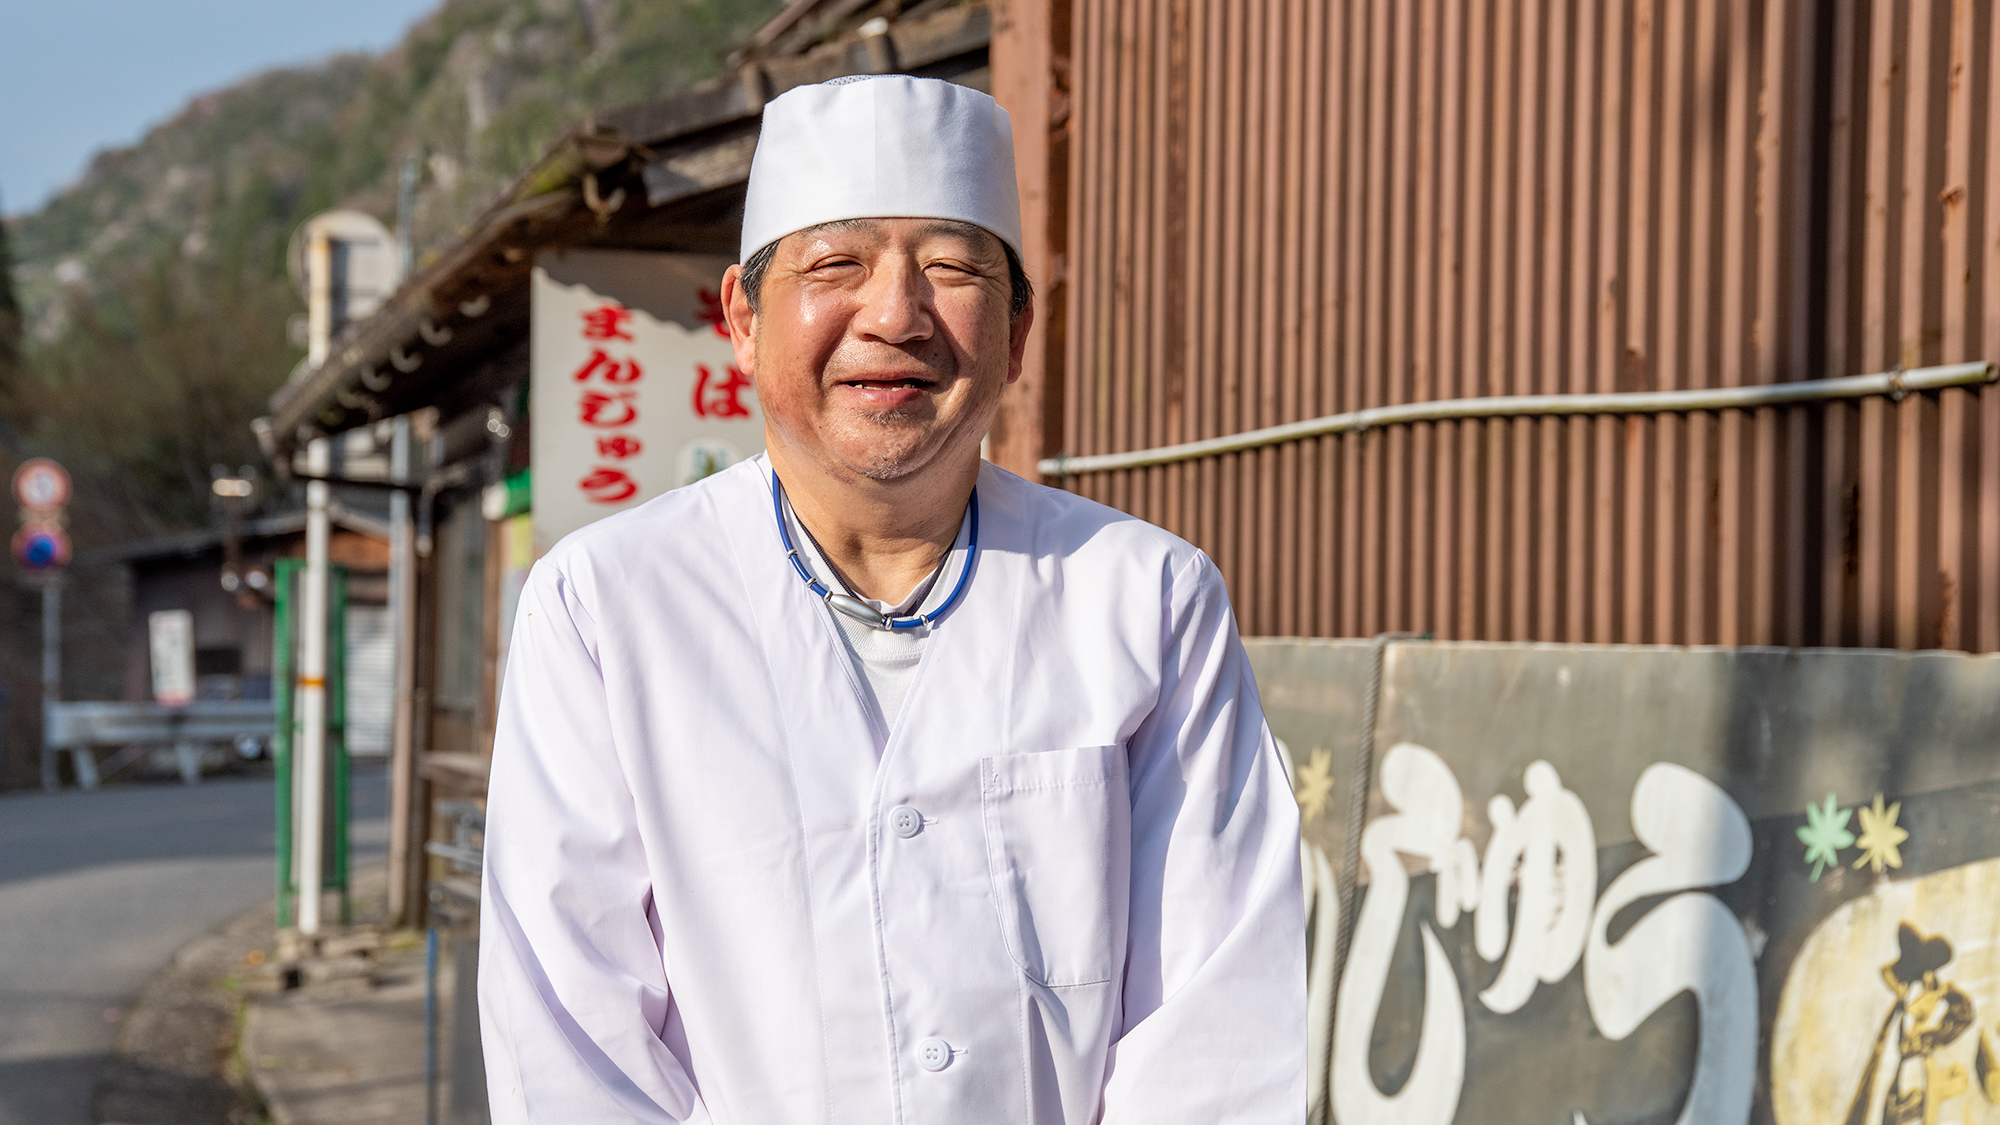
{"x": 1658, "y": 946}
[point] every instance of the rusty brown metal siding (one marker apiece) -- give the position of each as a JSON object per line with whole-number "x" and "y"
{"x": 1281, "y": 209}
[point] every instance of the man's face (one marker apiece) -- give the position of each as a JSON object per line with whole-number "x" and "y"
{"x": 879, "y": 344}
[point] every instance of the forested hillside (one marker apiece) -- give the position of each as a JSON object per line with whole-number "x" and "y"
{"x": 147, "y": 320}
{"x": 153, "y": 293}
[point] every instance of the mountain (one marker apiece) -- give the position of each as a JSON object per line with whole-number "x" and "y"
{"x": 154, "y": 297}
{"x": 154, "y": 292}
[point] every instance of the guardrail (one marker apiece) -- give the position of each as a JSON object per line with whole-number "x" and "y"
{"x": 85, "y": 727}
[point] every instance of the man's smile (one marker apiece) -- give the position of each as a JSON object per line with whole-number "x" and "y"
{"x": 888, "y": 389}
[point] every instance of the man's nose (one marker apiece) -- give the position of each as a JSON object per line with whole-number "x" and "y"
{"x": 896, "y": 303}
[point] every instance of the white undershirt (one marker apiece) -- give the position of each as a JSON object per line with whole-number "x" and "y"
{"x": 886, "y": 660}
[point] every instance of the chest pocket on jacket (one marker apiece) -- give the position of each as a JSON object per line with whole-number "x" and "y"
{"x": 1059, "y": 851}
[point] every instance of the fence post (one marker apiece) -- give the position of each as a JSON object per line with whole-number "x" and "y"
{"x": 336, "y": 736}
{"x": 284, "y": 580}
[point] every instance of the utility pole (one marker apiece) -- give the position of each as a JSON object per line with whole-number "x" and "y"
{"x": 311, "y": 773}
{"x": 406, "y": 215}
{"x": 403, "y": 599}
{"x": 402, "y": 616}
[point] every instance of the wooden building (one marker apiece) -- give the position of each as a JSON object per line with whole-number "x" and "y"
{"x": 233, "y": 629}
{"x": 1639, "y": 323}
{"x": 1253, "y": 214}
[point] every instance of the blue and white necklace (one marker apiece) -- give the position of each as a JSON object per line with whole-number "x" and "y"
{"x": 845, "y": 603}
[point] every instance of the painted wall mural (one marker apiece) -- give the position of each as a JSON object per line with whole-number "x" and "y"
{"x": 1903, "y": 1030}
{"x": 1594, "y": 888}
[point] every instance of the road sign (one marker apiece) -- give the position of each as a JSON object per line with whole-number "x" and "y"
{"x": 41, "y": 485}
{"x": 41, "y": 546}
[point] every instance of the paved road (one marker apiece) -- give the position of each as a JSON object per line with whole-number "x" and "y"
{"x": 97, "y": 890}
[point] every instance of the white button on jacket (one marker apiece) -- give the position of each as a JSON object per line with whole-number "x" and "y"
{"x": 704, "y": 903}
{"x": 933, "y": 1054}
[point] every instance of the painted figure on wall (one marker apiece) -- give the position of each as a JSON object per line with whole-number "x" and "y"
{"x": 1928, "y": 1015}
{"x": 1923, "y": 1055}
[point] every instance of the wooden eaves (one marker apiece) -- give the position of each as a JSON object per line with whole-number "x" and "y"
{"x": 189, "y": 544}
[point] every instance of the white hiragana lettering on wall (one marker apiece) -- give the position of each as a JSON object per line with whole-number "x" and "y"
{"x": 1542, "y": 857}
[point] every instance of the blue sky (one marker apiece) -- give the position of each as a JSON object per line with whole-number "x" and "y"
{"x": 77, "y": 76}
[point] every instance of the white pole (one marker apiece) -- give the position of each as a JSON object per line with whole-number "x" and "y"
{"x": 402, "y": 603}
{"x": 311, "y": 805}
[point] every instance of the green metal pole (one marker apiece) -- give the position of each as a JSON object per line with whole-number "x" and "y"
{"x": 283, "y": 675}
{"x": 336, "y": 734}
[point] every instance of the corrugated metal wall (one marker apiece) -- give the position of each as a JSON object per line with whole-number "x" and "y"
{"x": 1282, "y": 209}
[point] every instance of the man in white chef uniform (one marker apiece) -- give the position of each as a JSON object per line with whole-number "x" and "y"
{"x": 867, "y": 782}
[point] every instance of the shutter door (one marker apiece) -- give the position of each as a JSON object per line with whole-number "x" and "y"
{"x": 371, "y": 679}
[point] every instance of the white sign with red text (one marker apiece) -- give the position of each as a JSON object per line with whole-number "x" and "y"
{"x": 635, "y": 388}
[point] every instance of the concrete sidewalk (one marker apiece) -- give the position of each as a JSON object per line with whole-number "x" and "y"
{"x": 174, "y": 1061}
{"x": 346, "y": 1046}
{"x": 250, "y": 1025}
{"x": 235, "y": 1032}
{"x": 335, "y": 1029}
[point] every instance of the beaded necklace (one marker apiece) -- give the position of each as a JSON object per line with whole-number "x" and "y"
{"x": 846, "y": 603}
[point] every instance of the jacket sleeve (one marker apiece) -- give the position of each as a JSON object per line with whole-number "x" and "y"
{"x": 1214, "y": 1023}
{"x": 575, "y": 1012}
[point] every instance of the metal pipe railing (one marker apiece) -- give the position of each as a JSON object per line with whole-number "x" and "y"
{"x": 1895, "y": 384}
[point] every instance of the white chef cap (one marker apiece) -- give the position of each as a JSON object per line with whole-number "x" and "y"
{"x": 881, "y": 146}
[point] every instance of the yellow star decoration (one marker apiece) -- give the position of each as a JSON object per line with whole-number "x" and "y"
{"x": 1315, "y": 784}
{"x": 1879, "y": 836}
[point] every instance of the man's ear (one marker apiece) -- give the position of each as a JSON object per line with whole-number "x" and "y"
{"x": 1017, "y": 340}
{"x": 742, "y": 321}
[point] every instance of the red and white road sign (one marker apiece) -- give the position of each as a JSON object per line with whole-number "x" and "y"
{"x": 41, "y": 485}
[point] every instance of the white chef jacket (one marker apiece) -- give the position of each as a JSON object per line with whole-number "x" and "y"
{"x": 718, "y": 889}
